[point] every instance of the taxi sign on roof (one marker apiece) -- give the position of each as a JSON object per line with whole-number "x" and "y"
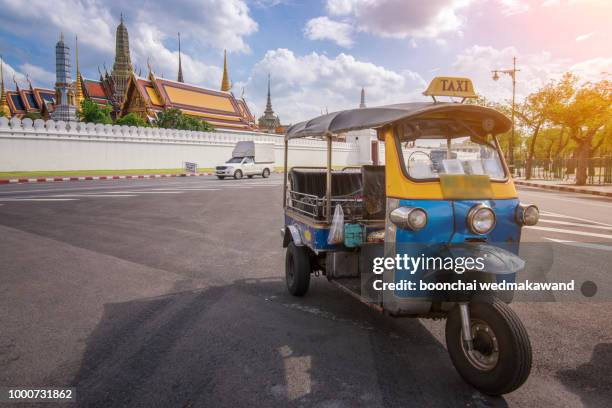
{"x": 451, "y": 86}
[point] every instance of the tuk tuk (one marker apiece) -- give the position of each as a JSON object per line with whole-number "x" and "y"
{"x": 444, "y": 192}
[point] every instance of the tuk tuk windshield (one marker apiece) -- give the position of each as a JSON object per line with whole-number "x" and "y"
{"x": 428, "y": 157}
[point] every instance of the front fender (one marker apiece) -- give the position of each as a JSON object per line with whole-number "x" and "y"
{"x": 496, "y": 260}
{"x": 291, "y": 233}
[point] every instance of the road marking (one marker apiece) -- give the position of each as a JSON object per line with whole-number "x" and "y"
{"x": 574, "y": 224}
{"x": 565, "y": 231}
{"x": 558, "y": 197}
{"x": 557, "y": 215}
{"x": 582, "y": 244}
{"x": 143, "y": 192}
{"x": 38, "y": 199}
{"x": 94, "y": 195}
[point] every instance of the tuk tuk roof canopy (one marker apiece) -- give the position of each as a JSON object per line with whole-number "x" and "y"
{"x": 375, "y": 117}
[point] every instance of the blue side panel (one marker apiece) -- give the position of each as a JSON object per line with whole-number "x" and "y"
{"x": 314, "y": 238}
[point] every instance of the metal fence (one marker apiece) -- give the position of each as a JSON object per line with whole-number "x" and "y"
{"x": 599, "y": 169}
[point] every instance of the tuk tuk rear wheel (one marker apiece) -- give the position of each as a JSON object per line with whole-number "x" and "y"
{"x": 501, "y": 359}
{"x": 297, "y": 270}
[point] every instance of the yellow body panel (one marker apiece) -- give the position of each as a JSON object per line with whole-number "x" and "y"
{"x": 199, "y": 99}
{"x": 399, "y": 186}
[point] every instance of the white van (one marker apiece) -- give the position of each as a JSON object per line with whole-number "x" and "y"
{"x": 249, "y": 159}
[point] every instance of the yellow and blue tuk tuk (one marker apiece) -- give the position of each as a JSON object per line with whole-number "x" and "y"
{"x": 444, "y": 195}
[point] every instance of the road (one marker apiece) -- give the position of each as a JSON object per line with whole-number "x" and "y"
{"x": 170, "y": 293}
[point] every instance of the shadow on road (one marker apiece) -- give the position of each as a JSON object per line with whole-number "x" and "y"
{"x": 592, "y": 381}
{"x": 251, "y": 344}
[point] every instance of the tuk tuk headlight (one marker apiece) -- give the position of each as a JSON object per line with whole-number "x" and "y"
{"x": 527, "y": 214}
{"x": 409, "y": 218}
{"x": 481, "y": 219}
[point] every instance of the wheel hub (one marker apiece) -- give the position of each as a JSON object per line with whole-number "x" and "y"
{"x": 485, "y": 353}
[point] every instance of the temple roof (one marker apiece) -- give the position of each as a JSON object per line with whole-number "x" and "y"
{"x": 219, "y": 108}
{"x": 23, "y": 101}
{"x": 95, "y": 91}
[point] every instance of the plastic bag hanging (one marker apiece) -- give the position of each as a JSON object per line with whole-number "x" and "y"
{"x": 336, "y": 233}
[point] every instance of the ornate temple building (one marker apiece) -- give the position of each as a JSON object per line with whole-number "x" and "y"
{"x": 269, "y": 122}
{"x": 148, "y": 96}
{"x": 126, "y": 92}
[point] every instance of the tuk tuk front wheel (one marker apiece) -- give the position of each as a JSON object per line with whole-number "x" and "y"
{"x": 500, "y": 360}
{"x": 297, "y": 270}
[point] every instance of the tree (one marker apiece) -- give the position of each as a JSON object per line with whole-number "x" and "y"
{"x": 32, "y": 115}
{"x": 131, "y": 119}
{"x": 535, "y": 112}
{"x": 586, "y": 116}
{"x": 174, "y": 119}
{"x": 91, "y": 112}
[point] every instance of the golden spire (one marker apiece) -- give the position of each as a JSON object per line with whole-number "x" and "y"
{"x": 225, "y": 82}
{"x": 78, "y": 97}
{"x": 4, "y": 108}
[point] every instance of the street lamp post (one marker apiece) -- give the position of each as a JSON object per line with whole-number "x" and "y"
{"x": 512, "y": 72}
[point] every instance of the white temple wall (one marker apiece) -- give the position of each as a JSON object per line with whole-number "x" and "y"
{"x": 48, "y": 145}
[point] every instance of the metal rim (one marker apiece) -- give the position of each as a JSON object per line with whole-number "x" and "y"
{"x": 485, "y": 354}
{"x": 472, "y": 214}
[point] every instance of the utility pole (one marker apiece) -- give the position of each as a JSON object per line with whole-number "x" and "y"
{"x": 512, "y": 73}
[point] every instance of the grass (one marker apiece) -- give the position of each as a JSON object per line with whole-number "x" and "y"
{"x": 81, "y": 173}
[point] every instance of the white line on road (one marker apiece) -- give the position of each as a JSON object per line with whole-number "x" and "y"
{"x": 575, "y": 224}
{"x": 38, "y": 199}
{"x": 93, "y": 195}
{"x": 585, "y": 201}
{"x": 144, "y": 192}
{"x": 565, "y": 231}
{"x": 582, "y": 244}
{"x": 564, "y": 216}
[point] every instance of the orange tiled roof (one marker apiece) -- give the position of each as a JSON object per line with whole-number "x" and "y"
{"x": 219, "y": 108}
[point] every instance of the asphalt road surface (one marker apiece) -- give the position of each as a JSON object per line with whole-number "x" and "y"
{"x": 170, "y": 293}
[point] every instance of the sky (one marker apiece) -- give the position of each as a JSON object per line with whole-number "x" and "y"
{"x": 319, "y": 53}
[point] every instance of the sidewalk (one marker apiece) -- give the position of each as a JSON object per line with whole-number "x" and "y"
{"x": 559, "y": 185}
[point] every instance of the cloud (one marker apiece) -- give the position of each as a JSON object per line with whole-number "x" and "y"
{"x": 512, "y": 7}
{"x": 148, "y": 45}
{"x": 38, "y": 75}
{"x": 536, "y": 70}
{"x": 305, "y": 85}
{"x": 401, "y": 18}
{"x": 11, "y": 74}
{"x": 322, "y": 28}
{"x": 584, "y": 37}
{"x": 593, "y": 69}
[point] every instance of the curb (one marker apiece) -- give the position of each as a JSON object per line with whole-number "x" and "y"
{"x": 564, "y": 188}
{"x": 88, "y": 178}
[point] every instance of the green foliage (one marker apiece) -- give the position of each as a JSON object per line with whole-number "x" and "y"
{"x": 32, "y": 115}
{"x": 132, "y": 119}
{"x": 91, "y": 112}
{"x": 174, "y": 119}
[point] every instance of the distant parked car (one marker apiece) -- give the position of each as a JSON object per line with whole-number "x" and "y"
{"x": 249, "y": 159}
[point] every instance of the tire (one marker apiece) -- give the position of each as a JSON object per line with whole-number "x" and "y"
{"x": 238, "y": 174}
{"x": 220, "y": 177}
{"x": 250, "y": 176}
{"x": 297, "y": 270}
{"x": 265, "y": 173}
{"x": 505, "y": 371}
